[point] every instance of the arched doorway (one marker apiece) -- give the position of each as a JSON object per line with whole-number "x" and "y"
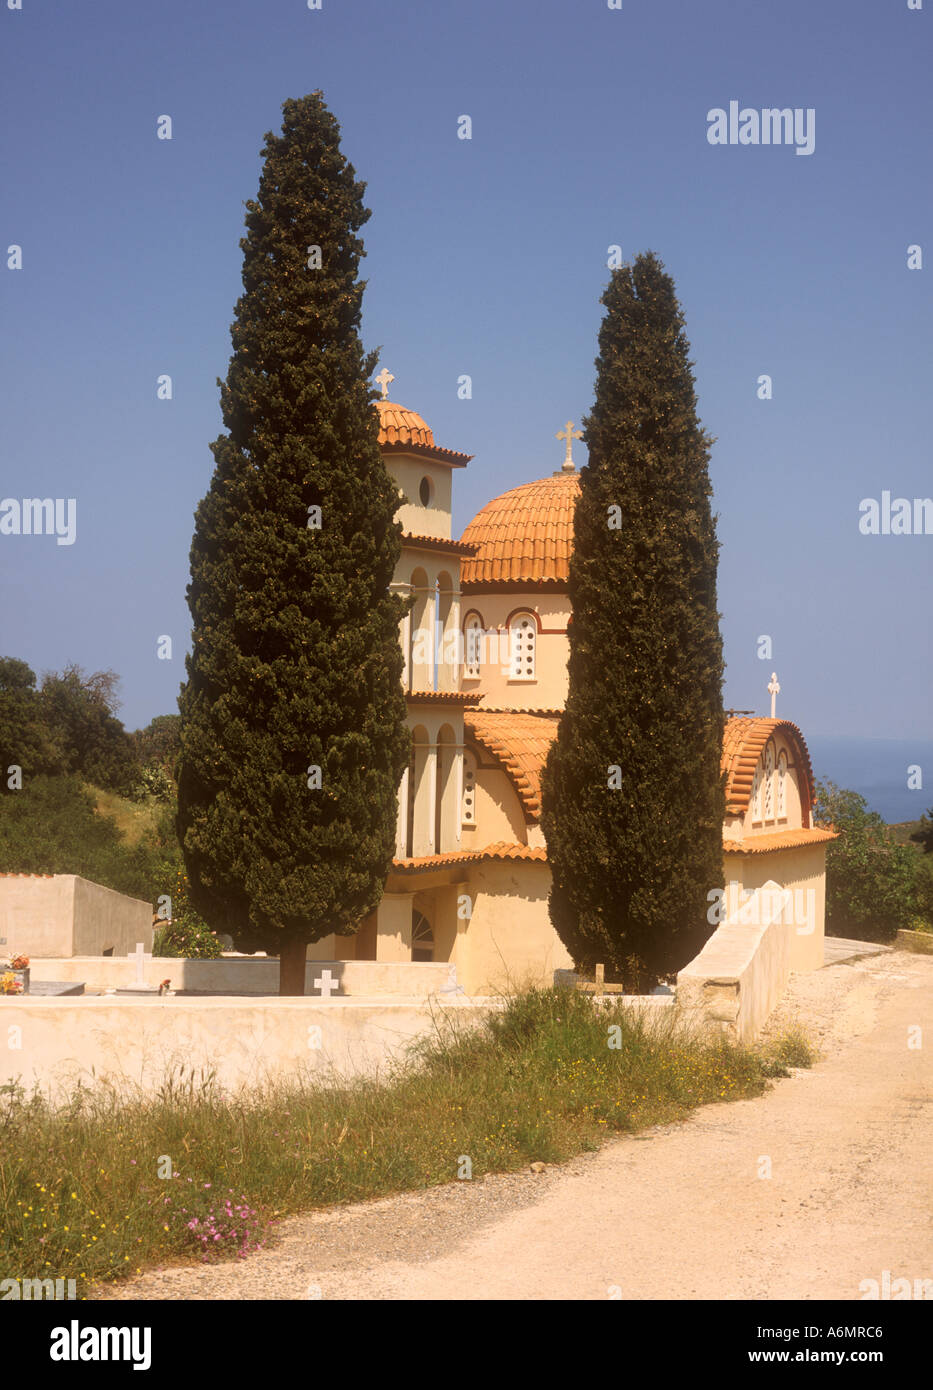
{"x": 422, "y": 938}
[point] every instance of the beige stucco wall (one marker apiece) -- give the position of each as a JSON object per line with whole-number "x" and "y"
{"x": 802, "y": 872}
{"x": 37, "y": 914}
{"x": 393, "y": 927}
{"x": 104, "y": 919}
{"x": 408, "y": 470}
{"x": 508, "y": 941}
{"x": 549, "y": 689}
{"x": 133, "y": 1043}
{"x": 499, "y": 814}
{"x": 64, "y": 915}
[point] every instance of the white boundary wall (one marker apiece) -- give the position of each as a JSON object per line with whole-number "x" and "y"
{"x": 43, "y": 915}
{"x": 742, "y": 971}
{"x": 251, "y": 975}
{"x": 134, "y": 1044}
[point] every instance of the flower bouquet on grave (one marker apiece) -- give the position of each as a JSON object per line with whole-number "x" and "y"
{"x": 9, "y": 984}
{"x": 19, "y": 968}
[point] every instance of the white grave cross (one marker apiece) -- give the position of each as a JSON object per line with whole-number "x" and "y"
{"x": 326, "y": 983}
{"x": 140, "y": 955}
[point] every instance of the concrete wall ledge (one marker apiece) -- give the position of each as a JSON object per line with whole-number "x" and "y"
{"x": 742, "y": 971}
{"x": 918, "y": 941}
{"x": 232, "y": 1003}
{"x": 134, "y": 1044}
{"x": 257, "y": 975}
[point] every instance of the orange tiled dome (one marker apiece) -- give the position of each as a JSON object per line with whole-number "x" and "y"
{"x": 400, "y": 426}
{"x": 524, "y": 537}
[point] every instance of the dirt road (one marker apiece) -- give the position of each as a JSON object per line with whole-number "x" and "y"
{"x": 686, "y": 1211}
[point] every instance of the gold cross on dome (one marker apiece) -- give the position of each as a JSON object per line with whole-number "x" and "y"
{"x": 383, "y": 379}
{"x": 570, "y": 434}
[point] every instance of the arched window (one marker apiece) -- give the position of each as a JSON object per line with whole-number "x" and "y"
{"x": 757, "y": 788}
{"x": 421, "y": 632}
{"x": 473, "y": 648}
{"x": 445, "y": 789}
{"x": 522, "y": 635}
{"x": 468, "y": 807}
{"x": 410, "y": 808}
{"x": 769, "y": 782}
{"x": 782, "y": 786}
{"x": 422, "y": 938}
{"x": 444, "y": 674}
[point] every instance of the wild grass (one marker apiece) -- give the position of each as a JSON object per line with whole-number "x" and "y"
{"x": 108, "y": 1185}
{"x": 136, "y": 820}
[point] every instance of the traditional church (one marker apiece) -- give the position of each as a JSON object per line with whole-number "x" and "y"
{"x": 485, "y": 649}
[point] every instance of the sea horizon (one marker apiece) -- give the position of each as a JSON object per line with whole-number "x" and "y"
{"x": 877, "y": 768}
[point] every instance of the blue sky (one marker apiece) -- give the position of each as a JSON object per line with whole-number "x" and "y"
{"x": 485, "y": 257}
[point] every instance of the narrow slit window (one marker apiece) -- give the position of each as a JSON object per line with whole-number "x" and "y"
{"x": 468, "y": 810}
{"x": 523, "y": 634}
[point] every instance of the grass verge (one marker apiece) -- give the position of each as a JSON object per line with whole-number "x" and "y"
{"x": 106, "y": 1186}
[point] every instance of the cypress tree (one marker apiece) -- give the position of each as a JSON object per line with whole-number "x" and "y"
{"x": 633, "y": 798}
{"x": 293, "y": 719}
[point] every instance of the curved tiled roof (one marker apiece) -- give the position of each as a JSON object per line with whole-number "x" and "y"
{"x": 442, "y": 544}
{"x": 525, "y": 537}
{"x": 520, "y": 742}
{"x": 404, "y": 431}
{"x": 520, "y": 739}
{"x": 397, "y": 425}
{"x": 442, "y": 697}
{"x": 781, "y": 839}
{"x": 502, "y": 849}
{"x": 743, "y": 743}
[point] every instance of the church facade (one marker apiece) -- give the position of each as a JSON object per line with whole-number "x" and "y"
{"x": 485, "y": 675}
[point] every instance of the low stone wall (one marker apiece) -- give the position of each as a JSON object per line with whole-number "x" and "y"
{"x": 742, "y": 971}
{"x": 135, "y": 1044}
{"x": 252, "y": 975}
{"x": 52, "y": 915}
{"x": 919, "y": 941}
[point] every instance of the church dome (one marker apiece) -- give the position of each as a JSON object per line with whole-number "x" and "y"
{"x": 524, "y": 538}
{"x": 400, "y": 426}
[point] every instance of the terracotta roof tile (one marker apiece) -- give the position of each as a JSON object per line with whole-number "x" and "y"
{"x": 523, "y": 537}
{"x": 442, "y": 697}
{"x": 780, "y": 839}
{"x": 441, "y": 543}
{"x": 520, "y": 741}
{"x": 502, "y": 849}
{"x": 511, "y": 709}
{"x": 537, "y": 854}
{"x": 743, "y": 742}
{"x": 405, "y": 431}
{"x": 397, "y": 425}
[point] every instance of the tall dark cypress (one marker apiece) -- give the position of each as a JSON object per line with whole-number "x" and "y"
{"x": 633, "y": 796}
{"x": 293, "y": 718}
